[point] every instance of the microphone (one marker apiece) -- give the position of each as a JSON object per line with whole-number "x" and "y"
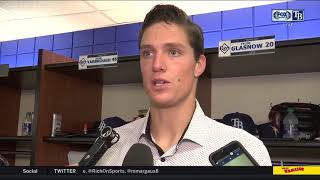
{"x": 138, "y": 155}
{"x": 3, "y": 161}
{"x": 107, "y": 138}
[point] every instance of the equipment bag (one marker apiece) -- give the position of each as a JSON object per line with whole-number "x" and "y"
{"x": 308, "y": 116}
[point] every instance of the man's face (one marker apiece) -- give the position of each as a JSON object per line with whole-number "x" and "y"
{"x": 167, "y": 64}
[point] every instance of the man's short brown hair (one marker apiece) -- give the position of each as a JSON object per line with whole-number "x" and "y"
{"x": 172, "y": 14}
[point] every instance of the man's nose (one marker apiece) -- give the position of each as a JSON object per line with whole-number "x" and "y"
{"x": 159, "y": 63}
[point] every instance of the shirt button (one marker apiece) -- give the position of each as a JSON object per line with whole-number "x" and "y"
{"x": 163, "y": 159}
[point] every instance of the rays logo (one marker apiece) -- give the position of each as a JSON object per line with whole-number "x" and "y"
{"x": 82, "y": 62}
{"x": 224, "y": 48}
{"x": 102, "y": 126}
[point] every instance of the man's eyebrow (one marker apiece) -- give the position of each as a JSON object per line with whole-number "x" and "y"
{"x": 176, "y": 45}
{"x": 145, "y": 46}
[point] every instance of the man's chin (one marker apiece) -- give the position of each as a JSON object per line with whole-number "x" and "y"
{"x": 162, "y": 103}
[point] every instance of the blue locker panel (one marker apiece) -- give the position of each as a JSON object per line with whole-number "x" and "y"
{"x": 306, "y": 29}
{"x": 9, "y": 48}
{"x": 279, "y": 30}
{"x": 238, "y": 18}
{"x": 11, "y": 60}
{"x": 209, "y": 21}
{"x": 76, "y": 52}
{"x": 26, "y": 45}
{"x": 62, "y": 41}
{"x": 103, "y": 48}
{"x": 237, "y": 34}
{"x": 83, "y": 38}
{"x": 211, "y": 39}
{"x": 311, "y": 8}
{"x": 0, "y": 50}
{"x": 64, "y": 52}
{"x": 44, "y": 42}
{"x": 35, "y": 59}
{"x": 127, "y": 48}
{"x": 128, "y": 32}
{"x": 105, "y": 35}
{"x": 25, "y": 60}
{"x": 263, "y": 14}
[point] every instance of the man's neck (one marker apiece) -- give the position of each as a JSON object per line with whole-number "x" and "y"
{"x": 169, "y": 124}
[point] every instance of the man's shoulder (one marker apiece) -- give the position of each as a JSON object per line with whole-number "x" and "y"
{"x": 219, "y": 126}
{"x": 129, "y": 134}
{"x": 220, "y": 135}
{"x": 219, "y": 132}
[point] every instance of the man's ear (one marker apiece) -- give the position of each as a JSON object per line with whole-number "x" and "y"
{"x": 200, "y": 66}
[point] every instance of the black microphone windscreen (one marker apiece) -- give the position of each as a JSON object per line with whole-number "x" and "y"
{"x": 138, "y": 155}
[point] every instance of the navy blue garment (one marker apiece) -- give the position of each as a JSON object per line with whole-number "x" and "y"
{"x": 266, "y": 130}
{"x": 113, "y": 122}
{"x": 241, "y": 121}
{"x": 98, "y": 126}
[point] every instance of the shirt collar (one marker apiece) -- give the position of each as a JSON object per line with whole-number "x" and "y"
{"x": 196, "y": 130}
{"x": 145, "y": 123}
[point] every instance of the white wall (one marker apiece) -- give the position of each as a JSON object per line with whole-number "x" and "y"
{"x": 123, "y": 100}
{"x": 253, "y": 95}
